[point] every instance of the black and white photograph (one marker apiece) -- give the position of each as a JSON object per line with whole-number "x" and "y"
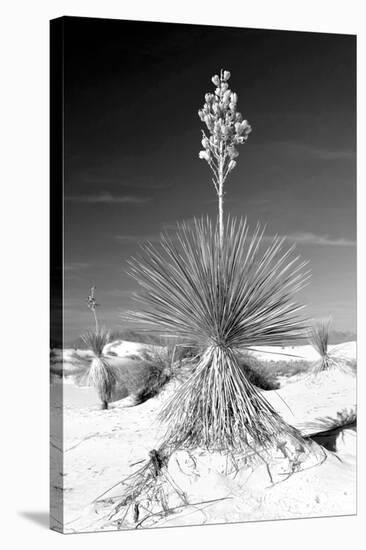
{"x": 203, "y": 359}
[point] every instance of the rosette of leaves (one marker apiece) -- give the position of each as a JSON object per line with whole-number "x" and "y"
{"x": 221, "y": 299}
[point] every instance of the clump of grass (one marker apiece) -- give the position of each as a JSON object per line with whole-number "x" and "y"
{"x": 290, "y": 368}
{"x": 173, "y": 360}
{"x": 258, "y": 373}
{"x": 266, "y": 374}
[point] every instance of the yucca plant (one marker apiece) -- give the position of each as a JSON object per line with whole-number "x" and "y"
{"x": 319, "y": 339}
{"x": 216, "y": 286}
{"x": 220, "y": 289}
{"x": 101, "y": 374}
{"x": 224, "y": 299}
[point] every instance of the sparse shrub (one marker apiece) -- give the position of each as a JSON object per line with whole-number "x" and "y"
{"x": 174, "y": 360}
{"x": 290, "y": 368}
{"x": 152, "y": 380}
{"x": 258, "y": 373}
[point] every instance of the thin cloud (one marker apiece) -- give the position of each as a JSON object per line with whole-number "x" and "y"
{"x": 107, "y": 198}
{"x": 312, "y": 238}
{"x": 137, "y": 239}
{"x": 135, "y": 183}
{"x": 300, "y": 238}
{"x": 319, "y": 152}
{"x": 75, "y": 266}
{"x": 166, "y": 229}
{"x": 119, "y": 293}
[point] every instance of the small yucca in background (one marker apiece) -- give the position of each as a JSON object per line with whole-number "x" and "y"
{"x": 221, "y": 299}
{"x": 101, "y": 375}
{"x": 319, "y": 339}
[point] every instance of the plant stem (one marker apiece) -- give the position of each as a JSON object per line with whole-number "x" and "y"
{"x": 96, "y": 321}
{"x": 221, "y": 196}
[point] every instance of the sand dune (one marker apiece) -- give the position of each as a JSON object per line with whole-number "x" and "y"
{"x": 103, "y": 447}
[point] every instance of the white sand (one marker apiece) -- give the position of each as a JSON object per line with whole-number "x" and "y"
{"x": 299, "y": 353}
{"x": 100, "y": 448}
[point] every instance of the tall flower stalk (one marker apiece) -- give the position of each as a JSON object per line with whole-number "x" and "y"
{"x": 92, "y": 305}
{"x": 226, "y": 129}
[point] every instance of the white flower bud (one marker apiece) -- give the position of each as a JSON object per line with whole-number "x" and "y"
{"x": 233, "y": 153}
{"x": 205, "y": 143}
{"x": 246, "y": 127}
{"x": 204, "y": 155}
{"x": 226, "y": 97}
{"x": 215, "y": 79}
{"x": 231, "y": 165}
{"x": 241, "y": 127}
{"x": 226, "y": 75}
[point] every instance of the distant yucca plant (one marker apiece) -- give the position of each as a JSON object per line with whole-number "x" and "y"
{"x": 223, "y": 298}
{"x": 101, "y": 375}
{"x": 319, "y": 339}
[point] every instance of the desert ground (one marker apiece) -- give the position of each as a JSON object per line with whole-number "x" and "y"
{"x": 103, "y": 447}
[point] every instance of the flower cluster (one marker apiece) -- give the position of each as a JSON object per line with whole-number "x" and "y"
{"x": 226, "y": 127}
{"x": 91, "y": 299}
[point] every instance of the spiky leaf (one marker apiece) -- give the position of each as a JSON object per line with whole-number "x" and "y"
{"x": 240, "y": 295}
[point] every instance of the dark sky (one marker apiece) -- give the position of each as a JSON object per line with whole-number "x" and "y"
{"x": 132, "y": 137}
